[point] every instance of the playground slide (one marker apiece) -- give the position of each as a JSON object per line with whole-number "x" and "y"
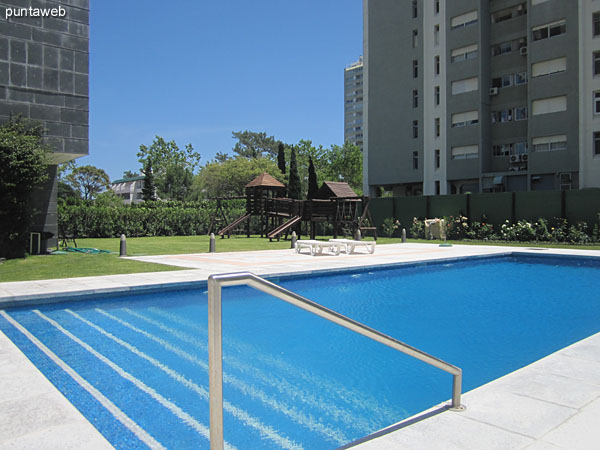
{"x": 234, "y": 224}
{"x": 284, "y": 226}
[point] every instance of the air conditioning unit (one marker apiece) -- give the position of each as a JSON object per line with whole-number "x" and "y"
{"x": 494, "y": 91}
{"x": 525, "y": 157}
{"x": 565, "y": 177}
{"x": 514, "y": 158}
{"x": 523, "y": 50}
{"x": 513, "y": 169}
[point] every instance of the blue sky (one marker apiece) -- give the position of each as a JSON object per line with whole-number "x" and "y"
{"x": 194, "y": 71}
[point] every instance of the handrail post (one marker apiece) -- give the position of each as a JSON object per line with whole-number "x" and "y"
{"x": 215, "y": 365}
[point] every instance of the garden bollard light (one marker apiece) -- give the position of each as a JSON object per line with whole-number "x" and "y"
{"x": 211, "y": 247}
{"x": 403, "y": 235}
{"x": 294, "y": 239}
{"x": 123, "y": 247}
{"x": 357, "y": 235}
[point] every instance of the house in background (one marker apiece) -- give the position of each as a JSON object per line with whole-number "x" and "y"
{"x": 129, "y": 189}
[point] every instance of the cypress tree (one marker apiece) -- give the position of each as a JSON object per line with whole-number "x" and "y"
{"x": 294, "y": 186}
{"x": 313, "y": 185}
{"x": 281, "y": 158}
{"x": 148, "y": 191}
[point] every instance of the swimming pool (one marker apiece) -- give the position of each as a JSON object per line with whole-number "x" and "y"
{"x": 293, "y": 380}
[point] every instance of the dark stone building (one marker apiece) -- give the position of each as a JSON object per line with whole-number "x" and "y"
{"x": 44, "y": 70}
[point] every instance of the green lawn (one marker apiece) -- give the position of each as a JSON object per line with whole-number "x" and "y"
{"x": 81, "y": 265}
{"x": 170, "y": 245}
{"x": 44, "y": 267}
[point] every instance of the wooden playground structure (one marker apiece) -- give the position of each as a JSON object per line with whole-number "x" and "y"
{"x": 335, "y": 203}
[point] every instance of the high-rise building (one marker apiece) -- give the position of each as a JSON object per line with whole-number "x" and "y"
{"x": 481, "y": 95}
{"x": 353, "y": 103}
{"x": 44, "y": 68}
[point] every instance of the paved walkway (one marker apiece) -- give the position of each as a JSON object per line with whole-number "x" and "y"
{"x": 551, "y": 404}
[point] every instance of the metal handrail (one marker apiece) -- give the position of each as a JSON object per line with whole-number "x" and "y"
{"x": 215, "y": 345}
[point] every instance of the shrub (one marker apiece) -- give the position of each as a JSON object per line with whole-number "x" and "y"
{"x": 389, "y": 226}
{"x": 417, "y": 229}
{"x": 23, "y": 168}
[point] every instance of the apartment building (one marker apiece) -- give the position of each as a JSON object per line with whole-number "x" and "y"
{"x": 481, "y": 95}
{"x": 353, "y": 103}
{"x": 44, "y": 68}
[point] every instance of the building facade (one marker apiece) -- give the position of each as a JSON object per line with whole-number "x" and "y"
{"x": 481, "y": 95}
{"x": 129, "y": 189}
{"x": 353, "y": 103}
{"x": 44, "y": 68}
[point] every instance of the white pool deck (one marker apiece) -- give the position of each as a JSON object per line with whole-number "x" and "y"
{"x": 551, "y": 404}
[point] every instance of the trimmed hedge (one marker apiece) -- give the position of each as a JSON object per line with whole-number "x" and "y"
{"x": 87, "y": 219}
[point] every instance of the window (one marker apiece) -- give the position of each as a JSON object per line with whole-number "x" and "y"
{"x": 549, "y": 30}
{"x": 436, "y": 34}
{"x": 436, "y": 64}
{"x": 465, "y": 152}
{"x": 464, "y": 53}
{"x": 436, "y": 95}
{"x": 520, "y": 78}
{"x": 436, "y": 6}
{"x": 437, "y": 127}
{"x": 509, "y": 13}
{"x": 467, "y": 85}
{"x": 437, "y": 159}
{"x": 510, "y": 114}
{"x": 415, "y": 68}
{"x": 415, "y": 159}
{"x": 464, "y": 119}
{"x": 550, "y": 66}
{"x": 415, "y": 9}
{"x": 503, "y": 81}
{"x": 415, "y": 129}
{"x": 550, "y": 143}
{"x": 464, "y": 20}
{"x": 415, "y": 98}
{"x": 513, "y": 148}
{"x": 502, "y": 48}
{"x": 437, "y": 188}
{"x": 596, "y": 63}
{"x": 596, "y": 143}
{"x": 597, "y": 102}
{"x": 596, "y": 24}
{"x": 521, "y": 113}
{"x": 415, "y": 38}
{"x": 549, "y": 105}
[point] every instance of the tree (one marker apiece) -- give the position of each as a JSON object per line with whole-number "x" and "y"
{"x": 177, "y": 182}
{"x": 148, "y": 190}
{"x": 64, "y": 190}
{"x": 172, "y": 166}
{"x": 294, "y": 185}
{"x": 345, "y": 164}
{"x": 229, "y": 178}
{"x": 313, "y": 185}
{"x": 221, "y": 157}
{"x": 254, "y": 144}
{"x": 281, "y": 157}
{"x": 24, "y": 163}
{"x": 130, "y": 174}
{"x": 88, "y": 180}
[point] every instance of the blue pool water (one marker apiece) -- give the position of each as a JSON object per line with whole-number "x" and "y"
{"x": 136, "y": 366}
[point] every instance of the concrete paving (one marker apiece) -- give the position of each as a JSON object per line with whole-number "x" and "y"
{"x": 551, "y": 404}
